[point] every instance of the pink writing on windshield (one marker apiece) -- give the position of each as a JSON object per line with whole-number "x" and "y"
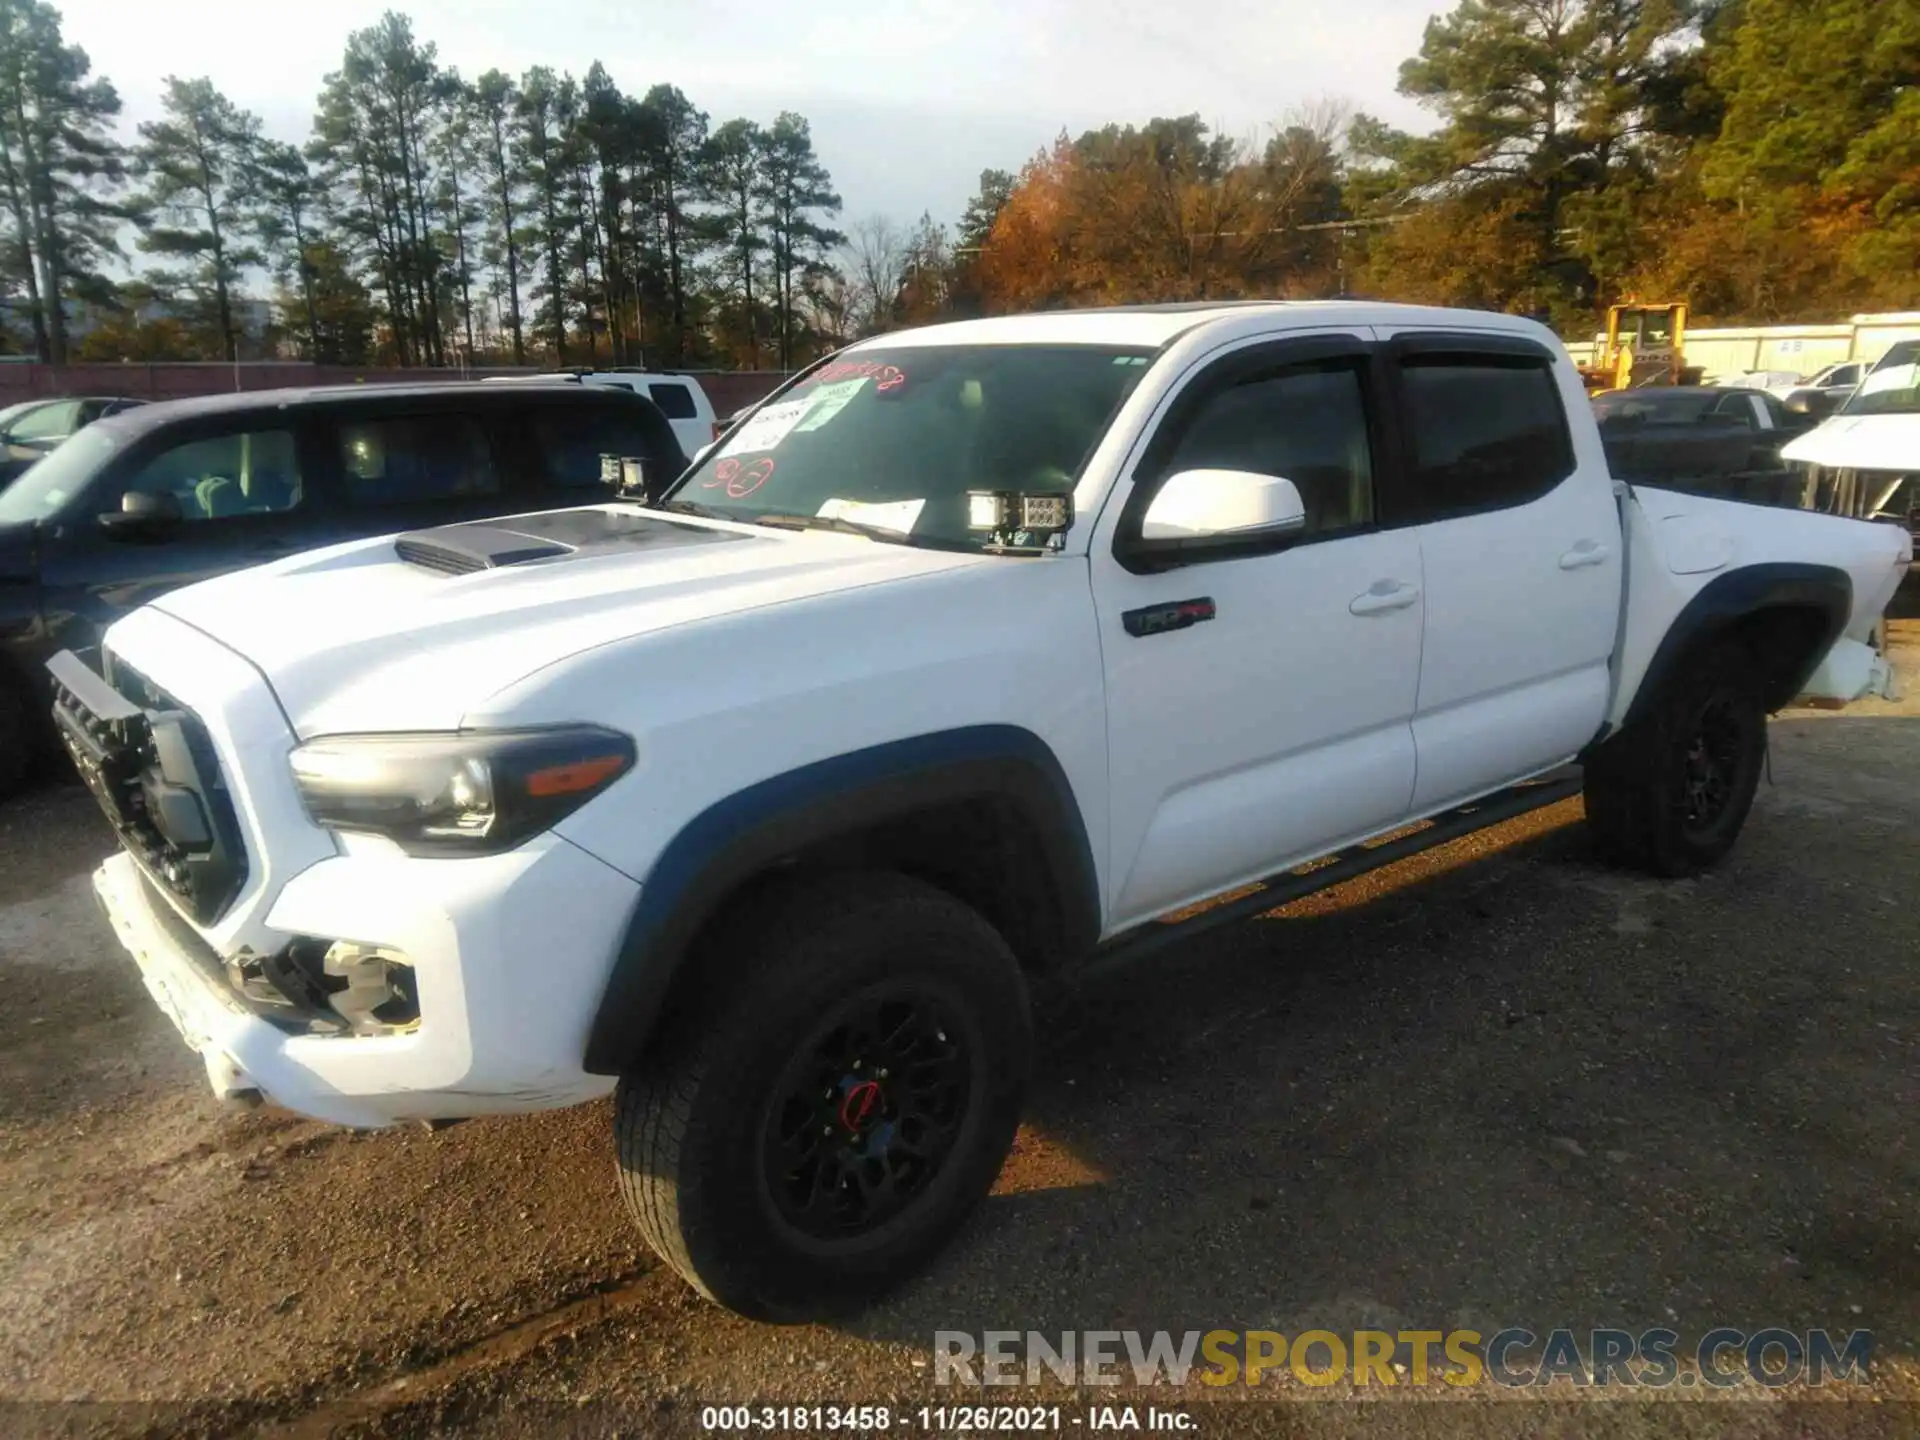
{"x": 885, "y": 377}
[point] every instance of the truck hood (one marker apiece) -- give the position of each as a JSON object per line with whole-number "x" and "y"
{"x": 413, "y": 631}
{"x": 1860, "y": 442}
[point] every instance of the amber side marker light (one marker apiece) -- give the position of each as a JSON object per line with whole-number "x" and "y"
{"x": 572, "y": 779}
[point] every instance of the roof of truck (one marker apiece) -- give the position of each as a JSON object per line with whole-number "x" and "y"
{"x": 1156, "y": 325}
{"x": 166, "y": 412}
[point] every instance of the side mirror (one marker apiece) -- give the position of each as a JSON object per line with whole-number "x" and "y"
{"x": 142, "y": 515}
{"x": 1217, "y": 509}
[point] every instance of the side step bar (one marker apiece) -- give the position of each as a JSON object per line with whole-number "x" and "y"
{"x": 1341, "y": 866}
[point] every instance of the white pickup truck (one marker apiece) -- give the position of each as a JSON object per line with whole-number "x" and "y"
{"x": 966, "y": 656}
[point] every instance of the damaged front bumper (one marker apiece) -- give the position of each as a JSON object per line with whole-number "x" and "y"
{"x": 510, "y": 952}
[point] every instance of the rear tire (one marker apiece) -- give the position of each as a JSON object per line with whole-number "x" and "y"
{"x": 1670, "y": 793}
{"x": 834, "y": 1103}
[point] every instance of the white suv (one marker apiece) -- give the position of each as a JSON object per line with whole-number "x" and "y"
{"x": 679, "y": 397}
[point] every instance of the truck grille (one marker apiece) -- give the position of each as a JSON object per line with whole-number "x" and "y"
{"x": 151, "y": 766}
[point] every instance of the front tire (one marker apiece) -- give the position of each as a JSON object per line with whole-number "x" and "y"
{"x": 1670, "y": 793}
{"x": 834, "y": 1102}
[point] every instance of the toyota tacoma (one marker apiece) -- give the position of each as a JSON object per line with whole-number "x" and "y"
{"x": 971, "y": 655}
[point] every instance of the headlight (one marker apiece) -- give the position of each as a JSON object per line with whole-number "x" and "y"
{"x": 464, "y": 793}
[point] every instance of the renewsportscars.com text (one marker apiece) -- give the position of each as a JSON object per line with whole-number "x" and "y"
{"x": 1721, "y": 1358}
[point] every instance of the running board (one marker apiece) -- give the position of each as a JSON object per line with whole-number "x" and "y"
{"x": 1339, "y": 867}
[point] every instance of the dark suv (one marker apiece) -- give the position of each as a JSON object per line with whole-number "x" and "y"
{"x": 166, "y": 494}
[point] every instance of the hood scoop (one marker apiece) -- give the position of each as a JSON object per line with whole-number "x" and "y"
{"x": 555, "y": 535}
{"x": 463, "y": 549}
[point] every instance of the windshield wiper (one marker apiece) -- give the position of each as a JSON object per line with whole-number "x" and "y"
{"x": 854, "y": 527}
{"x": 689, "y": 507}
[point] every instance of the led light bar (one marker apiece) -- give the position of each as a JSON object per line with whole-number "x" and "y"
{"x": 1009, "y": 510}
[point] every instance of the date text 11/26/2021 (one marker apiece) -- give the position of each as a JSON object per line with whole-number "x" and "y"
{"x": 942, "y": 1419}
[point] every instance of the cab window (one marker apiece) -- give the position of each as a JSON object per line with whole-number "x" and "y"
{"x": 1306, "y": 424}
{"x": 251, "y": 472}
{"x": 569, "y": 441}
{"x": 1485, "y": 432}
{"x": 407, "y": 459}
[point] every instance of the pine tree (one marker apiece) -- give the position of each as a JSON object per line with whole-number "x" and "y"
{"x": 495, "y": 101}
{"x": 794, "y": 187}
{"x": 284, "y": 198}
{"x": 57, "y": 156}
{"x": 196, "y": 163}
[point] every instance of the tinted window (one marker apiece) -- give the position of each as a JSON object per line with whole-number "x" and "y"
{"x": 49, "y": 422}
{"x": 571, "y": 439}
{"x": 1304, "y": 425}
{"x": 1483, "y": 433}
{"x": 255, "y": 472}
{"x": 1735, "y": 409}
{"x": 405, "y": 459}
{"x": 675, "y": 401}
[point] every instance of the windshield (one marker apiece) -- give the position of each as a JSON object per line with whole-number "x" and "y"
{"x": 1655, "y": 404}
{"x": 15, "y": 410}
{"x": 1889, "y": 390}
{"x": 50, "y": 482}
{"x": 895, "y": 439}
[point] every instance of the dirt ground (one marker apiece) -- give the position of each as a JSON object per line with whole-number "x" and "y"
{"x": 1495, "y": 1085}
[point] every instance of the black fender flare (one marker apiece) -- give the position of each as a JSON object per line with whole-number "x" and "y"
{"x": 749, "y": 831}
{"x": 1730, "y": 598}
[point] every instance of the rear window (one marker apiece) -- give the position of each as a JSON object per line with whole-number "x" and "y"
{"x": 406, "y": 459}
{"x": 1486, "y": 433}
{"x": 675, "y": 401}
{"x": 1654, "y": 405}
{"x": 572, "y": 439}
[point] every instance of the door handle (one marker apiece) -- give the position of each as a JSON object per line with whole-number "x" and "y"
{"x": 1587, "y": 552}
{"x": 1384, "y": 595}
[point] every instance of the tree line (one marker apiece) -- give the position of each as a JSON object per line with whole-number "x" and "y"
{"x": 429, "y": 220}
{"x": 1758, "y": 158}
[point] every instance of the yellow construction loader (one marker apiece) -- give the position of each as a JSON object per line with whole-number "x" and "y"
{"x": 1645, "y": 345}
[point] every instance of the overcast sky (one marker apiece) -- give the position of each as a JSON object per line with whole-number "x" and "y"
{"x": 909, "y": 99}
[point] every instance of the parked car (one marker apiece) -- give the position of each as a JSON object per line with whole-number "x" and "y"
{"x": 680, "y": 398}
{"x": 174, "y": 492}
{"x": 1823, "y": 392}
{"x": 31, "y": 428}
{"x": 1772, "y": 381}
{"x": 972, "y": 653}
{"x": 1863, "y": 461}
{"x": 1695, "y": 436}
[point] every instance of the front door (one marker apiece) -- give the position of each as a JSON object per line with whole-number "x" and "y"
{"x": 1259, "y": 706}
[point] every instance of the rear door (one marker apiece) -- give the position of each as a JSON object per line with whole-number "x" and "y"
{"x": 1520, "y": 548}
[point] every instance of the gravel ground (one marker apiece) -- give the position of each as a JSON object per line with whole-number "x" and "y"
{"x": 1495, "y": 1085}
